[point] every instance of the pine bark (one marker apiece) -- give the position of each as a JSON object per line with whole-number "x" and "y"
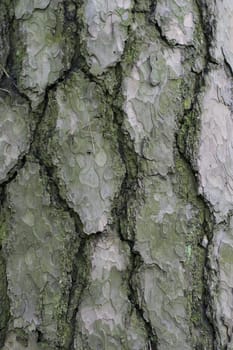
{"x": 116, "y": 175}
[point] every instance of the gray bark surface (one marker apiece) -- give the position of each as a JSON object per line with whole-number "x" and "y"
{"x": 116, "y": 175}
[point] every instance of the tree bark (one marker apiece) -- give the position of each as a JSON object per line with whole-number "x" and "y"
{"x": 116, "y": 172}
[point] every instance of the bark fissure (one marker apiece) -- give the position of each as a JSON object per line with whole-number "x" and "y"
{"x": 130, "y": 186}
{"x": 80, "y": 270}
{"x": 186, "y": 145}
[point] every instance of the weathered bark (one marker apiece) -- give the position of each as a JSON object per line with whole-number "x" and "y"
{"x": 116, "y": 174}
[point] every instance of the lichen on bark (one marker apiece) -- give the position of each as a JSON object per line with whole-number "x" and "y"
{"x": 116, "y": 175}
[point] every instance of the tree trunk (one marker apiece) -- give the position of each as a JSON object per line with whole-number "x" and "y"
{"x": 116, "y": 170}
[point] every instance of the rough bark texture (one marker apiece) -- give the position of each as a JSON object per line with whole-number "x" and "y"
{"x": 116, "y": 173}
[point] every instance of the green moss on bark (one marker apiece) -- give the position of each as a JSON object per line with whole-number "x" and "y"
{"x": 4, "y": 301}
{"x": 196, "y": 254}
